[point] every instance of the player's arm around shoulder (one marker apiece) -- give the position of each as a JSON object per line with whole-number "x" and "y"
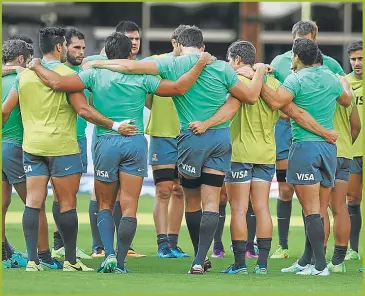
{"x": 344, "y": 92}
{"x": 68, "y": 83}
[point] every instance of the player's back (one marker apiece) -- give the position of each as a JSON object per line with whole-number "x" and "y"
{"x": 208, "y": 93}
{"x": 12, "y": 131}
{"x": 119, "y": 96}
{"x": 49, "y": 120}
{"x": 252, "y": 129}
{"x": 315, "y": 90}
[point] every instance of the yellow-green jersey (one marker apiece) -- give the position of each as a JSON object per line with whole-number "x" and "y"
{"x": 252, "y": 130}
{"x": 341, "y": 124}
{"x": 49, "y": 120}
{"x": 163, "y": 120}
{"x": 357, "y": 89}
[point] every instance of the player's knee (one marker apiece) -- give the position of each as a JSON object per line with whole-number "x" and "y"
{"x": 286, "y": 192}
{"x": 177, "y": 191}
{"x": 163, "y": 191}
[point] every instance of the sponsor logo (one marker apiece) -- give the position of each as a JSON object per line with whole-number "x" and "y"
{"x": 103, "y": 174}
{"x": 21, "y": 176}
{"x": 154, "y": 157}
{"x": 239, "y": 175}
{"x": 28, "y": 169}
{"x": 188, "y": 168}
{"x": 305, "y": 177}
{"x": 140, "y": 170}
{"x": 66, "y": 169}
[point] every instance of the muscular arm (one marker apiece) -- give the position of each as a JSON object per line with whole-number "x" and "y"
{"x": 69, "y": 83}
{"x": 10, "y": 103}
{"x": 249, "y": 94}
{"x": 276, "y": 99}
{"x": 127, "y": 66}
{"x": 304, "y": 119}
{"x": 169, "y": 88}
{"x": 355, "y": 124}
{"x": 7, "y": 70}
{"x": 224, "y": 113}
{"x": 346, "y": 97}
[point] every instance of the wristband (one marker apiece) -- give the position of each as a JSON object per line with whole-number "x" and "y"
{"x": 116, "y": 126}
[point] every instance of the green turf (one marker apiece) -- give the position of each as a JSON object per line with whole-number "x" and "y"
{"x": 169, "y": 276}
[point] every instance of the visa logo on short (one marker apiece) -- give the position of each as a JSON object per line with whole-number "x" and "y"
{"x": 27, "y": 169}
{"x": 188, "y": 168}
{"x": 305, "y": 177}
{"x": 103, "y": 174}
{"x": 239, "y": 175}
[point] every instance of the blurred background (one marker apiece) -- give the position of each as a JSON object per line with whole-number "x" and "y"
{"x": 267, "y": 25}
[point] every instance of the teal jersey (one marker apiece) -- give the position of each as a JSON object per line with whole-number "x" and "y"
{"x": 12, "y": 132}
{"x": 81, "y": 123}
{"x": 282, "y": 65}
{"x": 119, "y": 96}
{"x": 315, "y": 90}
{"x": 95, "y": 58}
{"x": 208, "y": 93}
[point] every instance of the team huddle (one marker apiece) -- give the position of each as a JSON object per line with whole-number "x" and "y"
{"x": 219, "y": 131}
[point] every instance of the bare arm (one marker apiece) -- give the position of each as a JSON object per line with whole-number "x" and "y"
{"x": 125, "y": 66}
{"x": 276, "y": 99}
{"x": 9, "y": 104}
{"x": 149, "y": 101}
{"x": 79, "y": 103}
{"x": 224, "y": 113}
{"x": 355, "y": 124}
{"x": 346, "y": 98}
{"x": 7, "y": 70}
{"x": 304, "y": 119}
{"x": 169, "y": 88}
{"x": 249, "y": 94}
{"x": 69, "y": 83}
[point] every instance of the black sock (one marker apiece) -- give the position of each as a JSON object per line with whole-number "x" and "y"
{"x": 220, "y": 227}
{"x": 239, "y": 249}
{"x": 117, "y": 214}
{"x": 30, "y": 229}
{"x": 193, "y": 220}
{"x": 93, "y": 210}
{"x": 283, "y": 214}
{"x": 5, "y": 254}
{"x": 208, "y": 225}
{"x": 315, "y": 232}
{"x": 251, "y": 223}
{"x": 9, "y": 248}
{"x": 56, "y": 216}
{"x": 69, "y": 228}
{"x": 126, "y": 231}
{"x": 339, "y": 254}
{"x": 162, "y": 240}
{"x": 173, "y": 239}
{"x": 355, "y": 218}
{"x": 45, "y": 256}
{"x": 325, "y": 247}
{"x": 264, "y": 245}
{"x": 57, "y": 240}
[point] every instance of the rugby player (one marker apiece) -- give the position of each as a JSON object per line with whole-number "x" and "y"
{"x": 282, "y": 68}
{"x": 312, "y": 161}
{"x": 130, "y": 167}
{"x": 163, "y": 127}
{"x": 202, "y": 160}
{"x": 50, "y": 147}
{"x": 75, "y": 43}
{"x": 354, "y": 195}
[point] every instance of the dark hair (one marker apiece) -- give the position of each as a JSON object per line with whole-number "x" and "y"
{"x": 15, "y": 48}
{"x": 118, "y": 46}
{"x": 22, "y": 37}
{"x": 49, "y": 37}
{"x": 126, "y": 26}
{"x": 178, "y": 31}
{"x": 191, "y": 37}
{"x": 73, "y": 32}
{"x": 354, "y": 46}
{"x": 244, "y": 49}
{"x": 306, "y": 50}
{"x": 303, "y": 28}
{"x": 319, "y": 58}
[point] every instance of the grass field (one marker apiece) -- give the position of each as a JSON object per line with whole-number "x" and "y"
{"x": 169, "y": 276}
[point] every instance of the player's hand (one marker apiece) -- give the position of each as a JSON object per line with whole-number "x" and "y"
{"x": 269, "y": 69}
{"x": 207, "y": 58}
{"x": 246, "y": 71}
{"x": 128, "y": 129}
{"x": 34, "y": 63}
{"x": 88, "y": 65}
{"x": 260, "y": 66}
{"x": 198, "y": 127}
{"x": 331, "y": 136}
